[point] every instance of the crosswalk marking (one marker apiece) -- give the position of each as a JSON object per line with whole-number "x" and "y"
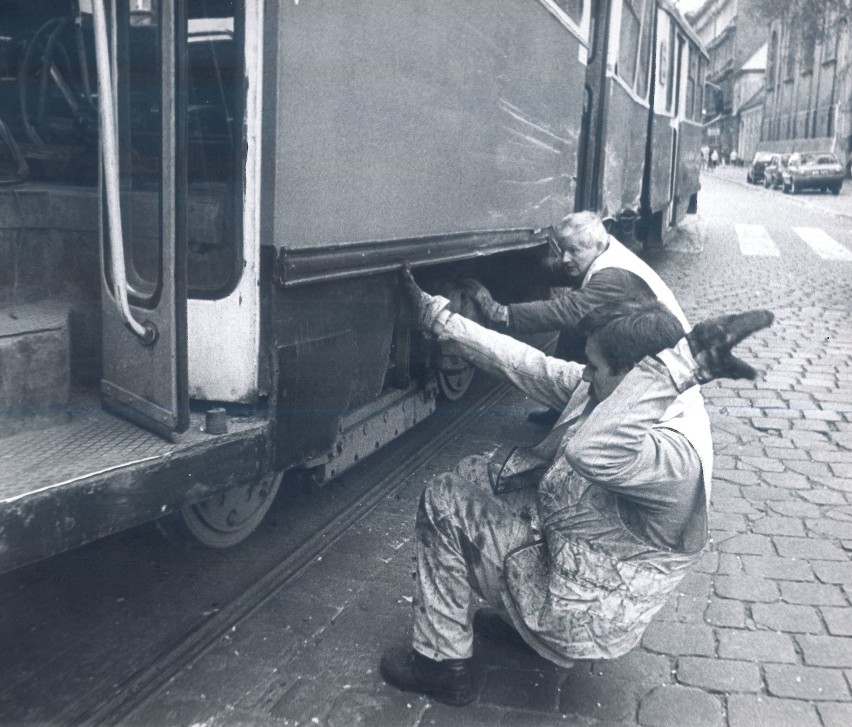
{"x": 755, "y": 240}
{"x": 823, "y": 244}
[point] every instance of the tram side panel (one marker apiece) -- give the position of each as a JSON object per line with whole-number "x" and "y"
{"x": 688, "y": 169}
{"x": 440, "y": 133}
{"x": 624, "y": 163}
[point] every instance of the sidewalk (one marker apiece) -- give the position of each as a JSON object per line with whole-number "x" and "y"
{"x": 840, "y": 205}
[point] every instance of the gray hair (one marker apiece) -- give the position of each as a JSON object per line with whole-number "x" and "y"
{"x": 585, "y": 229}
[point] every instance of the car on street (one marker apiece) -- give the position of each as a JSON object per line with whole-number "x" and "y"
{"x": 812, "y": 170}
{"x": 754, "y": 174}
{"x": 772, "y": 178}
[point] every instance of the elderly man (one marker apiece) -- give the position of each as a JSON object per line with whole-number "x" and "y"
{"x": 600, "y": 269}
{"x": 576, "y": 542}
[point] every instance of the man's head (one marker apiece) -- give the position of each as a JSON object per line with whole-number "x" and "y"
{"x": 578, "y": 240}
{"x": 619, "y": 335}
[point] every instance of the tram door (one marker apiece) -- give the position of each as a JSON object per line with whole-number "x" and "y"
{"x": 143, "y": 206}
{"x": 590, "y": 157}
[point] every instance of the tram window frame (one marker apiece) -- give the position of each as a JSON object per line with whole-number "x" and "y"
{"x": 628, "y": 48}
{"x": 220, "y": 260}
{"x": 670, "y": 68}
{"x": 692, "y": 73}
{"x": 643, "y": 62}
{"x": 572, "y": 8}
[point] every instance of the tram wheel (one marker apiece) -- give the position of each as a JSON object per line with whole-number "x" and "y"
{"x": 225, "y": 519}
{"x": 454, "y": 382}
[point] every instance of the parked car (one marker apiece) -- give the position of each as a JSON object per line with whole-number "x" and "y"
{"x": 813, "y": 170}
{"x": 772, "y": 172}
{"x": 758, "y": 164}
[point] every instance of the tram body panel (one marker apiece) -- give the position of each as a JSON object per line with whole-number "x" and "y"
{"x": 394, "y": 122}
{"x": 625, "y": 144}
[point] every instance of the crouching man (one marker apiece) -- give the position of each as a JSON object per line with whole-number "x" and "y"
{"x": 576, "y": 542}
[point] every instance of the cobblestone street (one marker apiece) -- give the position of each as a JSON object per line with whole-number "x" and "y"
{"x": 760, "y": 635}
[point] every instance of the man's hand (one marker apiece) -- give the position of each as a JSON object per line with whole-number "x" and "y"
{"x": 490, "y": 308}
{"x": 711, "y": 342}
{"x": 419, "y": 301}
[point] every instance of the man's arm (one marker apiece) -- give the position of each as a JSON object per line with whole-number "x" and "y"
{"x": 564, "y": 311}
{"x": 548, "y": 380}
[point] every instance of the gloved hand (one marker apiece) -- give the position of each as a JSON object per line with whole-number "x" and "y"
{"x": 490, "y": 308}
{"x": 711, "y": 342}
{"x": 422, "y": 304}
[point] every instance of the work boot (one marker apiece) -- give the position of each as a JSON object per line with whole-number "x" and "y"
{"x": 545, "y": 417}
{"x": 490, "y": 624}
{"x": 446, "y": 681}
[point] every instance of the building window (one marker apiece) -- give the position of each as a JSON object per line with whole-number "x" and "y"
{"x": 790, "y": 67}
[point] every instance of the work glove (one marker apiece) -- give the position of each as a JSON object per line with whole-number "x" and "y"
{"x": 424, "y": 307}
{"x": 711, "y": 341}
{"x": 490, "y": 308}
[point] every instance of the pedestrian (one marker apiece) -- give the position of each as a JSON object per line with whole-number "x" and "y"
{"x": 577, "y": 542}
{"x": 735, "y": 158}
{"x": 705, "y": 156}
{"x": 714, "y": 159}
{"x": 599, "y": 269}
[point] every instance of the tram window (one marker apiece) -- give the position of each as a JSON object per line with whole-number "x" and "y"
{"x": 574, "y": 8}
{"x": 213, "y": 111}
{"x": 690, "y": 82}
{"x": 670, "y": 61}
{"x": 629, "y": 41}
{"x": 645, "y": 50}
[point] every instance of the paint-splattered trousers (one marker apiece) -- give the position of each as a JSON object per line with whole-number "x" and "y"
{"x": 463, "y": 534}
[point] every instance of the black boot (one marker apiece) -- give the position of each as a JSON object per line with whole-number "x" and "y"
{"x": 447, "y": 681}
{"x": 545, "y": 417}
{"x": 490, "y": 624}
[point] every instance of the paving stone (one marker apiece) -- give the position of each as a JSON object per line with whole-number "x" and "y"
{"x": 733, "y": 505}
{"x": 611, "y": 700}
{"x": 833, "y": 651}
{"x": 788, "y": 618}
{"x": 778, "y": 526}
{"x": 787, "y": 480}
{"x": 841, "y": 484}
{"x": 636, "y": 666}
{"x": 833, "y": 457}
{"x": 825, "y": 415}
{"x": 813, "y": 594}
{"x": 764, "y": 464}
{"x": 730, "y": 564}
{"x": 830, "y": 528}
{"x": 756, "y": 646}
{"x": 754, "y": 711}
{"x": 746, "y": 588}
{"x": 836, "y": 714}
{"x": 709, "y": 563}
{"x": 803, "y": 682}
{"x": 792, "y": 569}
{"x": 736, "y": 476}
{"x": 749, "y": 543}
{"x": 522, "y": 689}
{"x": 767, "y": 422}
{"x": 813, "y": 548}
{"x": 807, "y": 468}
{"x": 824, "y": 497}
{"x": 731, "y": 522}
{"x": 690, "y": 609}
{"x": 721, "y": 612}
{"x": 833, "y": 572}
{"x": 838, "y": 620}
{"x": 696, "y": 584}
{"x": 675, "y": 705}
{"x": 782, "y": 412}
{"x": 718, "y": 675}
{"x": 787, "y": 455}
{"x": 678, "y": 638}
{"x": 796, "y": 508}
{"x": 764, "y": 493}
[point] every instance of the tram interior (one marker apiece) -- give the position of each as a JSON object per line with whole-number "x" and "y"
{"x": 50, "y": 209}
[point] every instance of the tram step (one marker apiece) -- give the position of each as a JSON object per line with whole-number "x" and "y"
{"x": 34, "y": 367}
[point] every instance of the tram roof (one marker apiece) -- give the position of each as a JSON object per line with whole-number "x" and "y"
{"x": 673, "y": 10}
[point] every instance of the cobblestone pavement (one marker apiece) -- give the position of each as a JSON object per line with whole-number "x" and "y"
{"x": 760, "y": 634}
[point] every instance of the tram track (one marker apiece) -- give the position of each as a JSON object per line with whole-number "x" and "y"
{"x": 148, "y": 679}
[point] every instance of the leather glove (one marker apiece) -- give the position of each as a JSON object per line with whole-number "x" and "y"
{"x": 490, "y": 308}
{"x": 711, "y": 341}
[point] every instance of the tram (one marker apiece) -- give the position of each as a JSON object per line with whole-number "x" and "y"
{"x": 204, "y": 206}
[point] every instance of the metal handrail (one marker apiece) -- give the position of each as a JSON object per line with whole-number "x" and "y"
{"x": 109, "y": 155}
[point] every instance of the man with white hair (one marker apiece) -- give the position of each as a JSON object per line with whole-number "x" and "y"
{"x": 599, "y": 268}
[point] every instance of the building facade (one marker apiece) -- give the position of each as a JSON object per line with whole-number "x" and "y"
{"x": 733, "y": 34}
{"x": 808, "y": 104}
